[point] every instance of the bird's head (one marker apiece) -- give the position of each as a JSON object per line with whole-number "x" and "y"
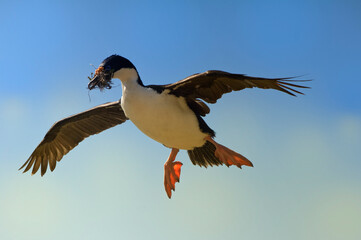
{"x": 112, "y": 67}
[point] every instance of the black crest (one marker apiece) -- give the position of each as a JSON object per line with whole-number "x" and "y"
{"x": 116, "y": 62}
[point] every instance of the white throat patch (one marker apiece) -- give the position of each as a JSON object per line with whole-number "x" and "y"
{"x": 126, "y": 75}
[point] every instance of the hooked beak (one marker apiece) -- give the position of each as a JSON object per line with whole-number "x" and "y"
{"x": 93, "y": 82}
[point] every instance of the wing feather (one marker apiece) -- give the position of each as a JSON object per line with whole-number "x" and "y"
{"x": 67, "y": 133}
{"x": 211, "y": 85}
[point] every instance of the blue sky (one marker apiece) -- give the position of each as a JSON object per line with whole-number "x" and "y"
{"x": 306, "y": 182}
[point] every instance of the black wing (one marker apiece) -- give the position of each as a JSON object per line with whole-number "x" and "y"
{"x": 211, "y": 85}
{"x": 67, "y": 133}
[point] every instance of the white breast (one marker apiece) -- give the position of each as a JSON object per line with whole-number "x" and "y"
{"x": 164, "y": 118}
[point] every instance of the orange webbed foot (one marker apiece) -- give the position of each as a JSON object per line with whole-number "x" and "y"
{"x": 172, "y": 172}
{"x": 228, "y": 156}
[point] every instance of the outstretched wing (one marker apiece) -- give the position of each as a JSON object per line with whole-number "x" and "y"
{"x": 67, "y": 133}
{"x": 211, "y": 85}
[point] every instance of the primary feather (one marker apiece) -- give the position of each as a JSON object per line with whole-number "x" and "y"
{"x": 211, "y": 85}
{"x": 67, "y": 133}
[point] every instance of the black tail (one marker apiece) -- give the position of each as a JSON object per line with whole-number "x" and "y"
{"x": 204, "y": 156}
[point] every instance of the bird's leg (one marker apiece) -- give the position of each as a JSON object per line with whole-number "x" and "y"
{"x": 171, "y": 172}
{"x": 228, "y": 156}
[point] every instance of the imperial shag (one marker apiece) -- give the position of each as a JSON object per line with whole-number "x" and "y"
{"x": 170, "y": 114}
